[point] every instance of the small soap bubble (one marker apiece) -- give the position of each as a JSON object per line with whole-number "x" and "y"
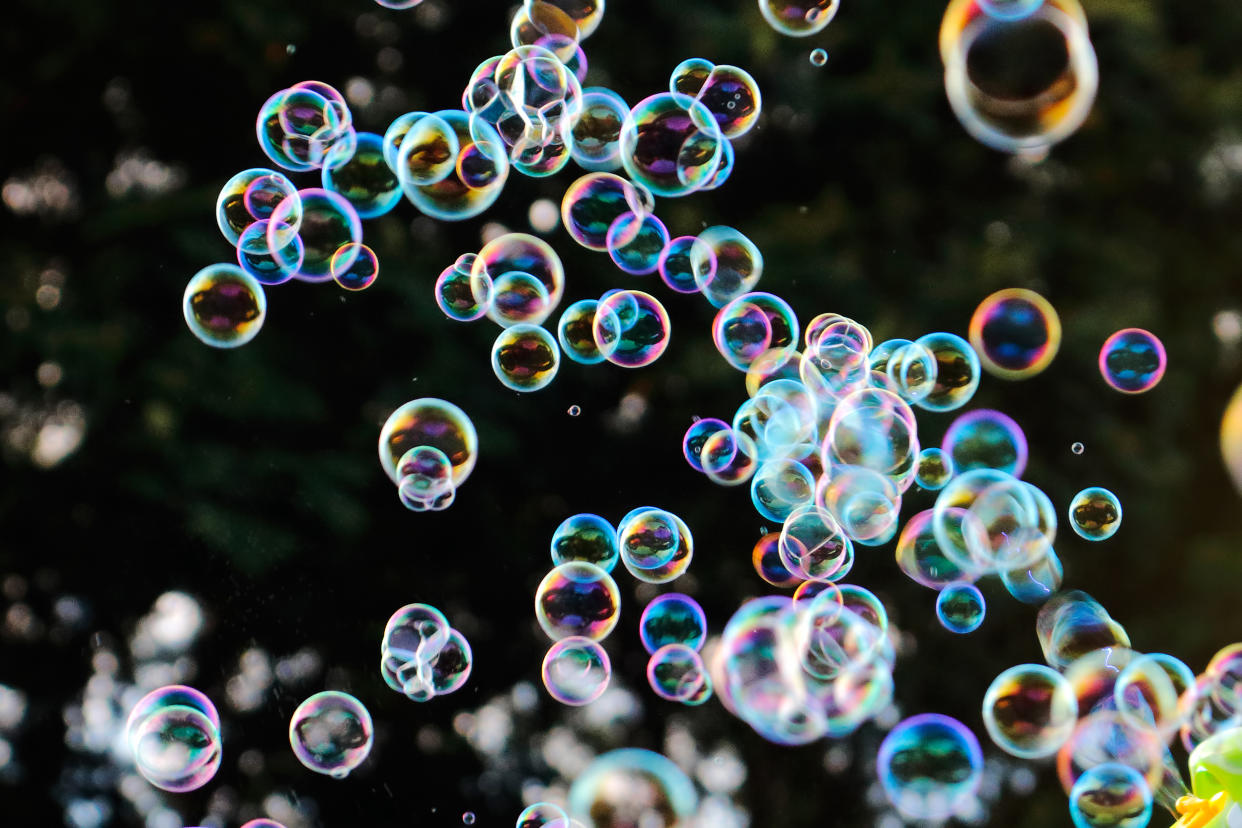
{"x": 224, "y": 306}
{"x": 576, "y": 671}
{"x": 819, "y": 57}
{"x": 543, "y": 815}
{"x": 174, "y": 735}
{"x": 331, "y": 733}
{"x": 676, "y": 673}
{"x": 960, "y": 608}
{"x": 1077, "y": 448}
{"x": 467, "y": 818}
{"x": 1132, "y": 360}
{"x": 1095, "y": 513}
{"x": 574, "y": 410}
{"x": 933, "y": 469}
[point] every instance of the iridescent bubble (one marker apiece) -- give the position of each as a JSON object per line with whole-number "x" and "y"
{"x": 354, "y": 266}
{"x": 729, "y": 457}
{"x": 695, "y": 438}
{"x": 224, "y": 306}
{"x": 920, "y": 557}
{"x": 1016, "y": 333}
{"x": 986, "y": 439}
{"x": 672, "y": 618}
{"x": 864, "y": 502}
{"x": 1077, "y": 448}
{"x": 586, "y": 537}
{"x": 1030, "y": 711}
{"x": 780, "y": 486}
{"x": 930, "y": 766}
{"x": 730, "y": 93}
{"x": 425, "y": 479}
{"x": 1150, "y": 689}
{"x": 522, "y": 253}
{"x": 1095, "y": 513}
{"x": 1107, "y": 736}
{"x": 1037, "y": 582}
{"x": 575, "y": 332}
{"x": 671, "y": 144}
{"x": 518, "y": 297}
{"x": 798, "y": 18}
{"x": 543, "y": 815}
{"x": 1225, "y": 668}
{"x": 1112, "y": 795}
{"x": 676, "y": 673}
{"x": 635, "y": 243}
{"x": 1132, "y": 360}
{"x": 812, "y": 545}
{"x": 960, "y": 607}
{"x": 331, "y": 733}
{"x": 450, "y": 668}
{"x": 401, "y": 5}
{"x": 1023, "y": 84}
{"x": 428, "y": 150}
{"x": 365, "y": 180}
{"x": 597, "y": 134}
{"x": 1072, "y": 624}
{"x": 455, "y": 290}
{"x": 256, "y": 258}
{"x": 957, "y": 372}
{"x": 656, "y": 545}
{"x": 818, "y": 57}
{"x": 631, "y": 328}
{"x": 525, "y": 357}
{"x": 251, "y": 196}
{"x": 577, "y": 598}
{"x": 676, "y": 263}
{"x": 262, "y": 823}
{"x": 305, "y": 126}
{"x": 911, "y": 367}
{"x": 593, "y": 203}
{"x": 480, "y": 169}
{"x": 329, "y": 222}
{"x": 726, "y": 265}
{"x": 429, "y": 422}
{"x": 536, "y": 21}
{"x": 1008, "y": 9}
{"x": 933, "y": 469}
{"x": 631, "y": 787}
{"x": 173, "y": 734}
{"x": 766, "y": 558}
{"x": 576, "y": 671}
{"x": 414, "y": 634}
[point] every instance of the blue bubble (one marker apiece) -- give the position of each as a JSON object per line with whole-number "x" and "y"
{"x": 960, "y": 607}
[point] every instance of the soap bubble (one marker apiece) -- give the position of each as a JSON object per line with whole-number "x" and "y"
{"x": 523, "y": 253}
{"x": 224, "y": 306}
{"x": 1030, "y": 711}
{"x": 960, "y": 607}
{"x": 331, "y": 733}
{"x": 672, "y": 618}
{"x": 631, "y": 328}
{"x": 597, "y": 134}
{"x": 1072, "y": 624}
{"x": 1108, "y": 736}
{"x": 252, "y": 195}
{"x": 635, "y": 243}
{"x": 986, "y": 439}
{"x": 480, "y": 169}
{"x": 595, "y": 201}
{"x": 576, "y": 671}
{"x": 455, "y": 290}
{"x": 671, "y": 144}
{"x": 329, "y": 222}
{"x": 425, "y": 479}
{"x": 818, "y": 57}
{"x": 354, "y": 266}
{"x": 920, "y": 557}
{"x": 173, "y": 734}
{"x": 725, "y": 265}
{"x": 1111, "y": 795}
{"x": 1095, "y": 513}
{"x": 676, "y": 673}
{"x": 586, "y": 537}
{"x": 577, "y": 598}
{"x": 656, "y": 545}
{"x": 525, "y": 357}
{"x": 799, "y": 18}
{"x": 575, "y": 332}
{"x": 695, "y": 438}
{"x": 428, "y": 421}
{"x": 957, "y": 372}
{"x": 632, "y": 786}
{"x": 256, "y": 257}
{"x": 676, "y": 263}
{"x": 543, "y": 815}
{"x": 1132, "y": 360}
{"x": 1036, "y": 582}
{"x": 930, "y": 766}
{"x": 730, "y": 93}
{"x": 933, "y": 469}
{"x": 366, "y": 180}
{"x": 518, "y": 297}
{"x": 1016, "y": 333}
{"x": 766, "y": 559}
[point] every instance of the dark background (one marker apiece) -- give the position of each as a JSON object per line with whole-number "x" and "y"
{"x": 249, "y": 479}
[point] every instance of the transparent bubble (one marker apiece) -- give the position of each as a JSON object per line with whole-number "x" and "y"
{"x": 575, "y": 332}
{"x": 960, "y": 607}
{"x": 1107, "y": 736}
{"x": 173, "y": 733}
{"x": 576, "y": 671}
{"x": 671, "y": 144}
{"x": 425, "y": 479}
{"x": 672, "y": 618}
{"x": 812, "y": 545}
{"x": 594, "y": 202}
{"x": 305, "y": 127}
{"x": 798, "y": 18}
{"x": 766, "y": 559}
{"x": 480, "y": 169}
{"x": 635, "y": 243}
{"x": 577, "y": 598}
{"x": 1132, "y": 361}
{"x": 518, "y": 297}
{"x": 1077, "y": 448}
{"x": 256, "y": 257}
{"x": 224, "y": 306}
{"x": 920, "y": 557}
{"x": 366, "y": 180}
{"x": 676, "y": 673}
{"x": 543, "y": 815}
{"x": 428, "y": 150}
{"x": 597, "y": 134}
{"x": 696, "y": 437}
{"x": 780, "y": 486}
{"x": 656, "y": 545}
{"x": 586, "y": 537}
{"x": 753, "y": 324}
{"x": 631, "y": 328}
{"x": 1030, "y": 711}
{"x": 1095, "y": 513}
{"x": 864, "y": 502}
{"x": 518, "y": 253}
{"x": 1037, "y": 582}
{"x": 331, "y": 733}
{"x": 986, "y": 439}
{"x": 933, "y": 469}
{"x": 455, "y": 290}
{"x": 525, "y": 357}
{"x": 252, "y": 195}
{"x": 1110, "y": 794}
{"x": 730, "y": 93}
{"x": 725, "y": 265}
{"x": 930, "y": 766}
{"x": 1150, "y": 689}
{"x": 635, "y": 787}
{"x": 729, "y": 457}
{"x": 329, "y": 222}
{"x": 1016, "y": 333}
{"x": 1072, "y": 624}
{"x": 1020, "y": 84}
{"x": 362, "y": 268}
{"x": 957, "y": 372}
{"x": 434, "y": 423}
{"x": 676, "y": 263}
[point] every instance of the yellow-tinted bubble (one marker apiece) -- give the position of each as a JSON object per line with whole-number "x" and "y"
{"x": 1023, "y": 84}
{"x": 1231, "y": 438}
{"x": 577, "y": 598}
{"x": 525, "y": 357}
{"x": 798, "y": 18}
{"x": 429, "y": 422}
{"x": 224, "y": 306}
{"x": 1029, "y": 711}
{"x": 1016, "y": 333}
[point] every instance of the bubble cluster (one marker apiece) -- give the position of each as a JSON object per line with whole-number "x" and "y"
{"x": 1132, "y": 361}
{"x": 428, "y": 447}
{"x": 421, "y": 656}
{"x": 656, "y": 546}
{"x": 173, "y": 734}
{"x": 331, "y": 733}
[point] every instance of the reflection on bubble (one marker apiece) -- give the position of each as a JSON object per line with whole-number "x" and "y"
{"x": 930, "y": 765}
{"x": 1030, "y": 711}
{"x": 576, "y": 671}
{"x": 173, "y": 734}
{"x": 331, "y": 733}
{"x": 586, "y": 537}
{"x": 1112, "y": 795}
{"x": 224, "y": 306}
{"x": 1132, "y": 360}
{"x": 428, "y": 421}
{"x": 672, "y": 618}
{"x": 1095, "y": 513}
{"x": 986, "y": 439}
{"x": 525, "y": 357}
{"x": 577, "y": 598}
{"x": 1016, "y": 333}
{"x": 960, "y": 607}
